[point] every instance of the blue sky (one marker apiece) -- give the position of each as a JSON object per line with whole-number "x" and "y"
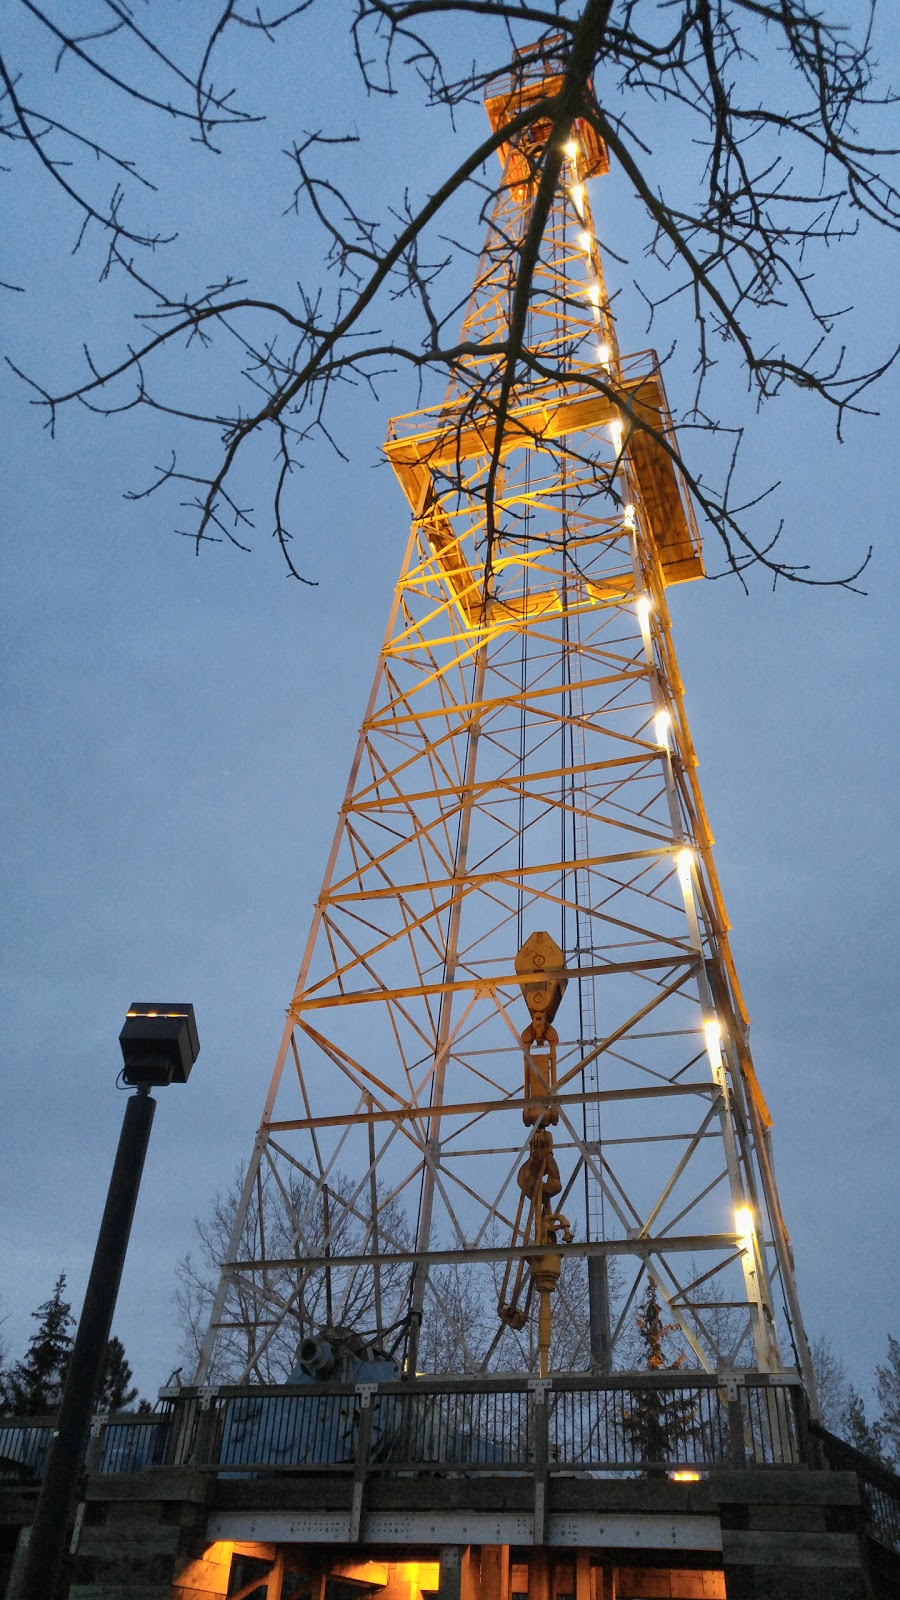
{"x": 177, "y": 733}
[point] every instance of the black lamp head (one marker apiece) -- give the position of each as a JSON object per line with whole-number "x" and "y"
{"x": 159, "y": 1043}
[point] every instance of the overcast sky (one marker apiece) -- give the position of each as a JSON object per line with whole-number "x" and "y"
{"x": 177, "y": 733}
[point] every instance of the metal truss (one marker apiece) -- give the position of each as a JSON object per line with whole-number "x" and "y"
{"x": 524, "y": 766}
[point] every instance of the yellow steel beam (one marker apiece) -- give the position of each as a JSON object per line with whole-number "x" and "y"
{"x": 305, "y": 1002}
{"x": 422, "y": 459}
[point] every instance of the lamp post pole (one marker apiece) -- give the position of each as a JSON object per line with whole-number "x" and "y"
{"x": 159, "y": 1046}
{"x": 58, "y": 1490}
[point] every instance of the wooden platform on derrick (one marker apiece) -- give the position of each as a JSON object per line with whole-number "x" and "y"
{"x": 176, "y": 1534}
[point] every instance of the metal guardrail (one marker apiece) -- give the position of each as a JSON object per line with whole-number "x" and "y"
{"x": 133, "y": 1444}
{"x": 615, "y": 1425}
{"x": 23, "y": 1449}
{"x": 606, "y": 1426}
{"x": 879, "y": 1486}
{"x": 124, "y": 1443}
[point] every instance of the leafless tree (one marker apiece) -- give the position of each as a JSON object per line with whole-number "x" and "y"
{"x": 326, "y": 1218}
{"x": 832, "y": 1384}
{"x": 844, "y": 1409}
{"x": 887, "y": 1387}
{"x": 770, "y": 178}
{"x": 463, "y": 1337}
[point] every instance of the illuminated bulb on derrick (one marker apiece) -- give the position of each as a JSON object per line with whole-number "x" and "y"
{"x": 584, "y": 240}
{"x": 615, "y": 433}
{"x": 603, "y": 354}
{"x": 571, "y": 149}
{"x": 643, "y": 610}
{"x": 577, "y": 193}
{"x": 743, "y": 1224}
{"x": 662, "y": 722}
{"x": 684, "y": 861}
{"x": 628, "y": 519}
{"x": 712, "y": 1033}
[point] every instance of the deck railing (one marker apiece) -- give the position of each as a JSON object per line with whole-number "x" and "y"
{"x": 608, "y": 1426}
{"x": 613, "y": 1425}
{"x": 879, "y": 1486}
{"x": 621, "y": 1425}
{"x": 123, "y": 1443}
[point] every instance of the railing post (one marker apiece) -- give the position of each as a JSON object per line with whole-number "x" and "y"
{"x": 809, "y": 1448}
{"x": 181, "y": 1429}
{"x": 540, "y": 1449}
{"x": 94, "y": 1454}
{"x": 736, "y": 1453}
{"x": 204, "y": 1450}
{"x": 366, "y": 1393}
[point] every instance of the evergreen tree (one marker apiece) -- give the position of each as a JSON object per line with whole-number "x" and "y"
{"x": 653, "y": 1332}
{"x": 657, "y": 1422}
{"x": 33, "y": 1387}
{"x": 116, "y": 1392}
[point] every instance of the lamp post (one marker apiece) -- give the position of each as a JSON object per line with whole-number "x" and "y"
{"x": 159, "y": 1046}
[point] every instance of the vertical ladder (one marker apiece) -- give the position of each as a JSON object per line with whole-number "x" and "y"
{"x": 598, "y": 1285}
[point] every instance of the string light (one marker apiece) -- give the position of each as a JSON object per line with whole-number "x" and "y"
{"x": 577, "y": 193}
{"x": 585, "y": 241}
{"x": 603, "y": 354}
{"x": 628, "y": 519}
{"x": 571, "y": 149}
{"x": 643, "y": 610}
{"x": 615, "y": 433}
{"x": 662, "y": 722}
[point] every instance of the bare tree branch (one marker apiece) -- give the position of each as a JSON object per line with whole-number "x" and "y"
{"x": 735, "y": 246}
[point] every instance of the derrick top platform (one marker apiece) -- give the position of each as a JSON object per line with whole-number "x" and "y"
{"x": 517, "y": 155}
{"x": 431, "y": 449}
{"x": 539, "y": 74}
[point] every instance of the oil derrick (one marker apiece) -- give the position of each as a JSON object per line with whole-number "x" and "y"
{"x": 515, "y": 1082}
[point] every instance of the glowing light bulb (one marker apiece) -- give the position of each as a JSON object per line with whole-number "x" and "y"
{"x": 662, "y": 722}
{"x": 743, "y": 1223}
{"x": 643, "y": 610}
{"x": 571, "y": 149}
{"x": 577, "y": 193}
{"x": 603, "y": 354}
{"x": 584, "y": 239}
{"x": 593, "y": 293}
{"x": 615, "y": 433}
{"x": 684, "y": 861}
{"x": 628, "y": 518}
{"x": 712, "y": 1033}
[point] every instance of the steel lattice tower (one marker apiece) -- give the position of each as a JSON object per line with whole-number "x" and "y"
{"x": 515, "y": 1078}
